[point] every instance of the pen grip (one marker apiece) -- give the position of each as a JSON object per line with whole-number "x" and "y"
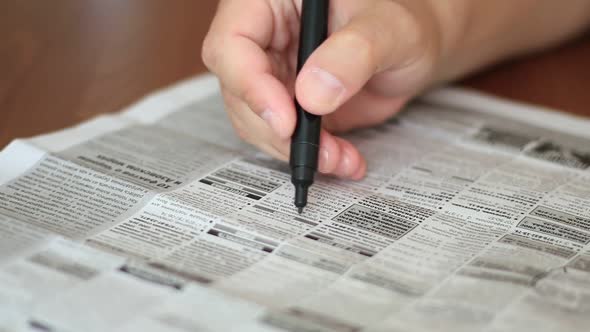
{"x": 305, "y": 142}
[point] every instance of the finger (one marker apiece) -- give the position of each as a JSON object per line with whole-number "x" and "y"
{"x": 253, "y": 129}
{"x": 336, "y": 156}
{"x": 234, "y": 50}
{"x": 383, "y": 36}
{"x": 365, "y": 109}
{"x": 350, "y": 163}
{"x": 249, "y": 77}
{"x": 329, "y": 154}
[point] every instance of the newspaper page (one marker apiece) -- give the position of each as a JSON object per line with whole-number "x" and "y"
{"x": 474, "y": 216}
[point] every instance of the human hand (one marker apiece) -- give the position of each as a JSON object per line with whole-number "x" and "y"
{"x": 379, "y": 54}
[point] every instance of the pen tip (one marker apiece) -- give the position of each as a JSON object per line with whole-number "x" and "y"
{"x": 300, "y": 210}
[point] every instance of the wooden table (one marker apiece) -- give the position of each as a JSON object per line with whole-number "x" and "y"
{"x": 65, "y": 61}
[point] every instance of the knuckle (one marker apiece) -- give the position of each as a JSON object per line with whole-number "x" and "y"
{"x": 404, "y": 17}
{"x": 364, "y": 45}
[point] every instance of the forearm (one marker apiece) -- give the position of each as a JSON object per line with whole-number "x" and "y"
{"x": 478, "y": 33}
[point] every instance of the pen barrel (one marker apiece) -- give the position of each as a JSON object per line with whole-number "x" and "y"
{"x": 314, "y": 28}
{"x": 305, "y": 140}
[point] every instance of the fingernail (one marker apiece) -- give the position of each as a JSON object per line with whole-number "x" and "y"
{"x": 324, "y": 158}
{"x": 322, "y": 88}
{"x": 272, "y": 120}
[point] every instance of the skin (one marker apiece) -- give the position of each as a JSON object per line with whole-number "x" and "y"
{"x": 379, "y": 55}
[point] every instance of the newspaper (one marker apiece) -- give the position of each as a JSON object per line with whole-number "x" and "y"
{"x": 474, "y": 216}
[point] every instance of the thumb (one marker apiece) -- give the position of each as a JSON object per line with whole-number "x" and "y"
{"x": 382, "y": 36}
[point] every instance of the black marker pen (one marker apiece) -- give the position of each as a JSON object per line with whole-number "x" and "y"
{"x": 305, "y": 142}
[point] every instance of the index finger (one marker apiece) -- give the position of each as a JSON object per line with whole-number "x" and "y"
{"x": 234, "y": 49}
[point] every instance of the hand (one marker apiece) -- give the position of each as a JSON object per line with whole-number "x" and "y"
{"x": 378, "y": 55}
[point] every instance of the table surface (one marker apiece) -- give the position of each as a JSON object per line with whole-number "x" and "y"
{"x": 62, "y": 62}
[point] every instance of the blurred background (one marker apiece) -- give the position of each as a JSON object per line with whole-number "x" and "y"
{"x": 64, "y": 61}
